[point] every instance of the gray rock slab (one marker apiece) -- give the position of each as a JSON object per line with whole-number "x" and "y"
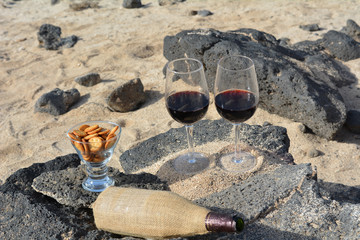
{"x": 127, "y": 97}
{"x": 27, "y": 214}
{"x": 305, "y": 212}
{"x": 269, "y": 138}
{"x": 258, "y": 195}
{"x": 289, "y": 83}
{"x": 57, "y": 101}
{"x": 65, "y": 185}
{"x": 285, "y": 202}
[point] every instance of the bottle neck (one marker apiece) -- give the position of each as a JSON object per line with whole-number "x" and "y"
{"x": 219, "y": 222}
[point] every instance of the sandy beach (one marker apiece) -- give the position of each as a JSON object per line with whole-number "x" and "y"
{"x": 121, "y": 44}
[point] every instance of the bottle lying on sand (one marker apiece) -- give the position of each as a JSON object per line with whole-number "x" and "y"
{"x": 157, "y": 214}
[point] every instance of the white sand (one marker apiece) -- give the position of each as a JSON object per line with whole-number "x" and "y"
{"x": 112, "y": 39}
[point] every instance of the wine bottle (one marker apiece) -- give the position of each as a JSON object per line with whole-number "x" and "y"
{"x": 157, "y": 214}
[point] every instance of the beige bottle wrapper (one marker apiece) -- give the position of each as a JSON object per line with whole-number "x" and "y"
{"x": 148, "y": 213}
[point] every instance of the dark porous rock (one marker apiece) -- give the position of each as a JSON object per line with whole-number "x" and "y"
{"x": 49, "y": 38}
{"x": 353, "y": 121}
{"x": 285, "y": 203}
{"x": 286, "y": 82}
{"x": 169, "y": 2}
{"x": 128, "y": 97}
{"x": 69, "y": 41}
{"x": 329, "y": 70}
{"x": 341, "y": 45}
{"x": 310, "y": 27}
{"x": 268, "y": 138}
{"x": 132, "y": 3}
{"x": 340, "y": 192}
{"x": 57, "y": 101}
{"x": 65, "y": 185}
{"x": 352, "y": 29}
{"x": 259, "y": 193}
{"x": 307, "y": 213}
{"x": 89, "y": 79}
{"x": 25, "y": 212}
{"x": 280, "y": 202}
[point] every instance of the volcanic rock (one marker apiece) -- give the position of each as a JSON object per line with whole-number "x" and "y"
{"x": 57, "y": 101}
{"x": 127, "y": 97}
{"x": 290, "y": 84}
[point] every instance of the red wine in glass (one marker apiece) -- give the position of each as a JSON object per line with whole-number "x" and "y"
{"x": 236, "y": 97}
{"x": 236, "y": 105}
{"x": 187, "y": 101}
{"x": 187, "y": 107}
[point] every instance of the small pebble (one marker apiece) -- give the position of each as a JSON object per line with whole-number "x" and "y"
{"x": 88, "y": 80}
{"x": 312, "y": 153}
{"x": 310, "y": 27}
{"x": 132, "y": 4}
{"x": 302, "y": 128}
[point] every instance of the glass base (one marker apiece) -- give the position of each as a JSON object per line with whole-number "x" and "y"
{"x": 245, "y": 162}
{"x": 191, "y": 163}
{"x": 97, "y": 185}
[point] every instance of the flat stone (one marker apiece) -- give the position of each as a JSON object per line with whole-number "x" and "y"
{"x": 57, "y": 101}
{"x": 305, "y": 212}
{"x": 65, "y": 185}
{"x": 260, "y": 193}
{"x": 25, "y": 212}
{"x": 289, "y": 83}
{"x": 127, "y": 97}
{"x": 88, "y": 80}
{"x": 269, "y": 138}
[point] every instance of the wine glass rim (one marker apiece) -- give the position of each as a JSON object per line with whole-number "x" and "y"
{"x": 182, "y": 59}
{"x": 92, "y": 122}
{"x": 252, "y": 65}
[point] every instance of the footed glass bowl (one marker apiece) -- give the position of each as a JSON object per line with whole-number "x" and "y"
{"x": 94, "y": 142}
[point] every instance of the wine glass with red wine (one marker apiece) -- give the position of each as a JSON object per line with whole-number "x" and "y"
{"x": 187, "y": 101}
{"x": 236, "y": 97}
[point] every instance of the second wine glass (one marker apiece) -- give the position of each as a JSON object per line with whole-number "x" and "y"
{"x": 236, "y": 98}
{"x": 187, "y": 101}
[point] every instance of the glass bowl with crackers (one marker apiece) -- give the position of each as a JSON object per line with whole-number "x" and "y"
{"x": 94, "y": 142}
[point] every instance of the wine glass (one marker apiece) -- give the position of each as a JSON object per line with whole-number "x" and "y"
{"x": 187, "y": 101}
{"x": 236, "y": 97}
{"x": 94, "y": 142}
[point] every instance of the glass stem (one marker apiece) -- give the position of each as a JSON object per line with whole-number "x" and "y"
{"x": 97, "y": 171}
{"x": 237, "y": 158}
{"x": 190, "y": 138}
